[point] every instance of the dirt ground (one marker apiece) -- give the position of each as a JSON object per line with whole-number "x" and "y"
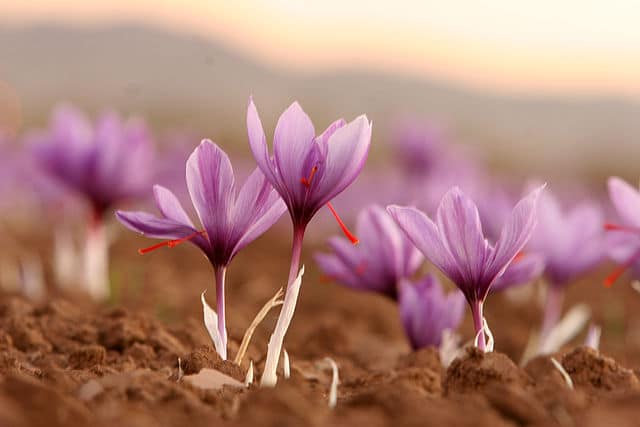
{"x": 67, "y": 361}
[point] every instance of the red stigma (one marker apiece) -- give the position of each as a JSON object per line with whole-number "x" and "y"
{"x": 343, "y": 227}
{"x": 615, "y": 275}
{"x": 170, "y": 243}
{"x": 615, "y": 227}
{"x": 519, "y": 256}
{"x": 307, "y": 181}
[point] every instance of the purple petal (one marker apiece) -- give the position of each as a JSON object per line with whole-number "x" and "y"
{"x": 257, "y": 208}
{"x": 153, "y": 226}
{"x": 459, "y": 224}
{"x": 334, "y": 268}
{"x": 258, "y": 144}
{"x": 347, "y": 151}
{"x": 520, "y": 272}
{"x": 293, "y": 141}
{"x": 170, "y": 207}
{"x": 626, "y": 200}
{"x": 211, "y": 186}
{"x": 424, "y": 234}
{"x": 515, "y": 234}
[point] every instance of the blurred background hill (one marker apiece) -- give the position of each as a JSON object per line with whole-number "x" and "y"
{"x": 186, "y": 81}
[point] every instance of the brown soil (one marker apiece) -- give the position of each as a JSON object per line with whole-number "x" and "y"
{"x": 69, "y": 362}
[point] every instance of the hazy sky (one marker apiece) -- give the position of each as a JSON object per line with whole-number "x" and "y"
{"x": 546, "y": 45}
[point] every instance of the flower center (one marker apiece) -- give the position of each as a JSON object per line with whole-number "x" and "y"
{"x": 307, "y": 183}
{"x": 171, "y": 243}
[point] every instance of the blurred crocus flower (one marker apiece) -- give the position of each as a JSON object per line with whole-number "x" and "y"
{"x": 230, "y": 220}
{"x": 383, "y": 257}
{"x": 308, "y": 171}
{"x": 623, "y": 239}
{"x": 525, "y": 268}
{"x": 418, "y": 145}
{"x": 456, "y": 244}
{"x": 571, "y": 242}
{"x": 105, "y": 163}
{"x": 426, "y": 311}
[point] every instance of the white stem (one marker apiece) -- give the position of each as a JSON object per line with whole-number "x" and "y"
{"x": 563, "y": 372}
{"x": 96, "y": 264}
{"x": 565, "y": 329}
{"x": 248, "y": 379}
{"x": 490, "y": 342}
{"x": 32, "y": 278}
{"x": 65, "y": 265}
{"x": 211, "y": 323}
{"x": 593, "y": 337}
{"x": 180, "y": 371}
{"x": 335, "y": 380}
{"x": 274, "y": 348}
{"x": 449, "y": 347}
{"x": 286, "y": 367}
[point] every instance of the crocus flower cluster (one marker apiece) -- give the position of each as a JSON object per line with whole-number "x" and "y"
{"x": 104, "y": 163}
{"x": 230, "y": 219}
{"x": 456, "y": 244}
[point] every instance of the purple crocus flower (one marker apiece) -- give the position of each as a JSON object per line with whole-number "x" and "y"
{"x": 456, "y": 245}
{"x": 525, "y": 268}
{"x": 426, "y": 311}
{"x": 105, "y": 163}
{"x": 623, "y": 240}
{"x": 571, "y": 242}
{"x": 383, "y": 257}
{"x": 229, "y": 221}
{"x": 308, "y": 171}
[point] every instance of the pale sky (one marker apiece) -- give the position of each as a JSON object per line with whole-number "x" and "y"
{"x": 551, "y": 46}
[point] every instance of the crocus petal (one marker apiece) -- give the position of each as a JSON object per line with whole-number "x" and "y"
{"x": 424, "y": 234}
{"x": 152, "y": 226}
{"x": 515, "y": 234}
{"x": 258, "y": 145}
{"x": 626, "y": 200}
{"x": 459, "y": 224}
{"x": 257, "y": 208}
{"x": 520, "y": 272}
{"x": 293, "y": 140}
{"x": 334, "y": 268}
{"x": 170, "y": 206}
{"x": 211, "y": 186}
{"x": 347, "y": 151}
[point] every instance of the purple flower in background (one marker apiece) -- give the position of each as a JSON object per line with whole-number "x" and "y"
{"x": 571, "y": 242}
{"x": 623, "y": 240}
{"x": 456, "y": 245}
{"x": 418, "y": 145}
{"x": 426, "y": 311}
{"x": 230, "y": 220}
{"x": 383, "y": 257}
{"x": 308, "y": 171}
{"x": 106, "y": 163}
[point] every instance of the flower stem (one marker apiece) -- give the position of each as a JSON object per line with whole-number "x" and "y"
{"x": 269, "y": 377}
{"x": 478, "y": 323}
{"x": 96, "y": 261}
{"x": 221, "y": 273}
{"x": 552, "y": 309}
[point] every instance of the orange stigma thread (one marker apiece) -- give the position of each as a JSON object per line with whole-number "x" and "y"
{"x": 615, "y": 275}
{"x": 343, "y": 227}
{"x": 345, "y": 230}
{"x": 170, "y": 243}
{"x": 519, "y": 256}
{"x": 307, "y": 181}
